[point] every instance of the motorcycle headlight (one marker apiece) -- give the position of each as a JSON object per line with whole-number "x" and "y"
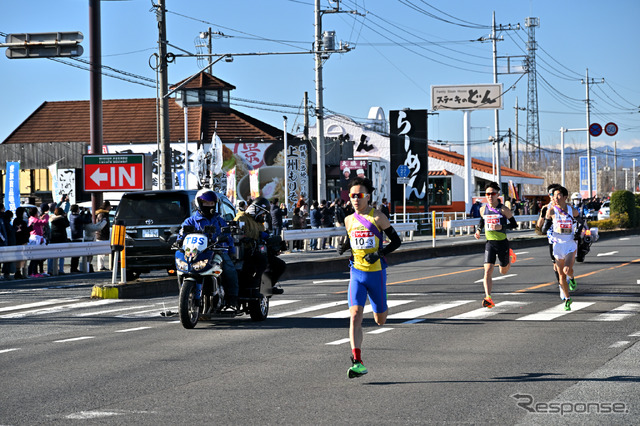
{"x": 199, "y": 265}
{"x": 182, "y": 265}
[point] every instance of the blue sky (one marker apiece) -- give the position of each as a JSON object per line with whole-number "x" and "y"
{"x": 401, "y": 48}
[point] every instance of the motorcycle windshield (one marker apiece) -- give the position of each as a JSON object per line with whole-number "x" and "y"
{"x": 193, "y": 245}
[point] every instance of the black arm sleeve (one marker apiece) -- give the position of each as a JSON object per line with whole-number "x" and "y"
{"x": 481, "y": 224}
{"x": 547, "y": 225}
{"x": 512, "y": 223}
{"x": 346, "y": 245}
{"x": 395, "y": 241}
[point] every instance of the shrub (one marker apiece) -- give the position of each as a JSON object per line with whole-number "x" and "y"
{"x": 605, "y": 224}
{"x": 621, "y": 220}
{"x": 623, "y": 202}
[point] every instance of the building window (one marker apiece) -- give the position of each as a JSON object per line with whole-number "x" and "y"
{"x": 439, "y": 191}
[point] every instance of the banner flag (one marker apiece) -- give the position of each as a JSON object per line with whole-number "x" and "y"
{"x": 12, "y": 186}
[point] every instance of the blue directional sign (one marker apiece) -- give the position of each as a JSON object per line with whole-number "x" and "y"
{"x": 403, "y": 171}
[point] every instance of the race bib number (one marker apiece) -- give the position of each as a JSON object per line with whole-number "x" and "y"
{"x": 491, "y": 220}
{"x": 362, "y": 240}
{"x": 564, "y": 227}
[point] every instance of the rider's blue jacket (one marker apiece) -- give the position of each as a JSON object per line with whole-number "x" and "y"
{"x": 198, "y": 221}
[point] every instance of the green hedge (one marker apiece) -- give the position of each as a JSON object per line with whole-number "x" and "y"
{"x": 623, "y": 208}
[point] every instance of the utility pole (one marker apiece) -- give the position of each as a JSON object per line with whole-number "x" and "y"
{"x": 165, "y": 180}
{"x": 495, "y": 111}
{"x": 615, "y": 164}
{"x": 589, "y": 171}
{"x": 510, "y": 153}
{"x": 305, "y": 131}
{"x": 517, "y": 137}
{"x": 95, "y": 102}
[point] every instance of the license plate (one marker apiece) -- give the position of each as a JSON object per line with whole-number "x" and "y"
{"x": 149, "y": 233}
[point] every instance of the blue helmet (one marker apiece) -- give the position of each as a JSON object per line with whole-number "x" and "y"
{"x": 205, "y": 194}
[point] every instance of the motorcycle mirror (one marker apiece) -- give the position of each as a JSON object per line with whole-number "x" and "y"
{"x": 209, "y": 229}
{"x": 188, "y": 229}
{"x": 226, "y": 229}
{"x": 221, "y": 239}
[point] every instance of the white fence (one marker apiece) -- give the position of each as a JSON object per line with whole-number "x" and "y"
{"x": 470, "y": 223}
{"x": 54, "y": 251}
{"x": 291, "y": 235}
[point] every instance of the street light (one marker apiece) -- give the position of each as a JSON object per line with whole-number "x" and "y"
{"x": 626, "y": 180}
{"x": 633, "y": 177}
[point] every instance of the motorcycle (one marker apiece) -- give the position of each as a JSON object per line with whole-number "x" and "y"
{"x": 199, "y": 267}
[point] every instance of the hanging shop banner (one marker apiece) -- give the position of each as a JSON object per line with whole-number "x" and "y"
{"x": 231, "y": 185}
{"x": 409, "y": 147}
{"x": 12, "y": 186}
{"x": 254, "y": 183}
{"x": 66, "y": 185}
{"x": 349, "y": 169}
{"x": 297, "y": 170}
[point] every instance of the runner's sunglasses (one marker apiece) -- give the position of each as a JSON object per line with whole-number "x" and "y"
{"x": 358, "y": 195}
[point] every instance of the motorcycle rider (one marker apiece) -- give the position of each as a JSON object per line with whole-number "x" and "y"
{"x": 206, "y": 215}
{"x": 255, "y": 262}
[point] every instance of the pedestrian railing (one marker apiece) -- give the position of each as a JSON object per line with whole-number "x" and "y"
{"x": 306, "y": 235}
{"x": 54, "y": 251}
{"x": 469, "y": 224}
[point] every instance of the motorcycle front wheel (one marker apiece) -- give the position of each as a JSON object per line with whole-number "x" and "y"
{"x": 187, "y": 308}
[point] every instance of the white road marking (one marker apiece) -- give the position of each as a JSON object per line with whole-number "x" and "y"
{"x": 498, "y": 278}
{"x": 338, "y": 342}
{"x": 74, "y": 339}
{"x": 132, "y": 329}
{"x": 309, "y": 309}
{"x": 619, "y": 313}
{"x": 610, "y": 253}
{"x": 61, "y": 308}
{"x": 86, "y": 314}
{"x": 426, "y": 310}
{"x": 281, "y": 302}
{"x": 35, "y": 304}
{"x": 2, "y": 351}
{"x": 619, "y": 344}
{"x": 555, "y": 312}
{"x": 332, "y": 281}
{"x": 481, "y": 313}
{"x": 367, "y": 309}
{"x": 625, "y": 239}
{"x": 636, "y": 334}
{"x": 380, "y": 330}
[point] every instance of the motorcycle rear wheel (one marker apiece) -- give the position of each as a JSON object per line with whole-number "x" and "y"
{"x": 259, "y": 309}
{"x": 187, "y": 308}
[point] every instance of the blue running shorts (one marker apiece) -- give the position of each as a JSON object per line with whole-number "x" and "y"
{"x": 372, "y": 283}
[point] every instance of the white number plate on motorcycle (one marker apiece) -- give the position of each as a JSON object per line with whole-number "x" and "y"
{"x": 149, "y": 233}
{"x": 195, "y": 242}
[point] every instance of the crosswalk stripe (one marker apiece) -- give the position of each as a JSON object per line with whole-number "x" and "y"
{"x": 35, "y": 304}
{"x": 367, "y": 309}
{"x": 555, "y": 312}
{"x": 338, "y": 342}
{"x": 481, "y": 313}
{"x": 498, "y": 278}
{"x": 309, "y": 309}
{"x": 619, "y": 313}
{"x": 273, "y": 303}
{"x": 426, "y": 310}
{"x": 61, "y": 308}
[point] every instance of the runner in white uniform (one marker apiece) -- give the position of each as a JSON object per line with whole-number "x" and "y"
{"x": 560, "y": 219}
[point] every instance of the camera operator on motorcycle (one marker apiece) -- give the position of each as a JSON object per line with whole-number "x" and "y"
{"x": 206, "y": 215}
{"x": 256, "y": 262}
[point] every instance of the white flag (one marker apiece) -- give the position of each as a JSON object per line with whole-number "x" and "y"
{"x": 216, "y": 154}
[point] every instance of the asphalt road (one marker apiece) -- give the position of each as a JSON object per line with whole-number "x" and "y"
{"x": 441, "y": 358}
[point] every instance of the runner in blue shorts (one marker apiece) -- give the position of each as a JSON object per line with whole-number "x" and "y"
{"x": 368, "y": 268}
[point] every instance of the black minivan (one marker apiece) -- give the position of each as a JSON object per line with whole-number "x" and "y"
{"x": 152, "y": 220}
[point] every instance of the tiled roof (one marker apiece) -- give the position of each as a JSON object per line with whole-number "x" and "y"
{"x": 480, "y": 165}
{"x": 134, "y": 121}
{"x": 205, "y": 81}
{"x": 443, "y": 172}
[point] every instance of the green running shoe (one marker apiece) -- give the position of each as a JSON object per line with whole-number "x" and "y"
{"x": 572, "y": 284}
{"x": 357, "y": 369}
{"x": 567, "y": 304}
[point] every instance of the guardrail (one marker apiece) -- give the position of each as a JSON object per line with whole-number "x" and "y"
{"x": 468, "y": 223}
{"x": 54, "y": 251}
{"x": 291, "y": 235}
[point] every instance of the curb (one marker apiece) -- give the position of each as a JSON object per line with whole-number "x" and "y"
{"x": 160, "y": 287}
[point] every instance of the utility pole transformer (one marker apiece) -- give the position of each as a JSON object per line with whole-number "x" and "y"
{"x": 165, "y": 180}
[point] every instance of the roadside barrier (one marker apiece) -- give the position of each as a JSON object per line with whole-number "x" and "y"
{"x": 469, "y": 223}
{"x": 291, "y": 235}
{"x": 54, "y": 251}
